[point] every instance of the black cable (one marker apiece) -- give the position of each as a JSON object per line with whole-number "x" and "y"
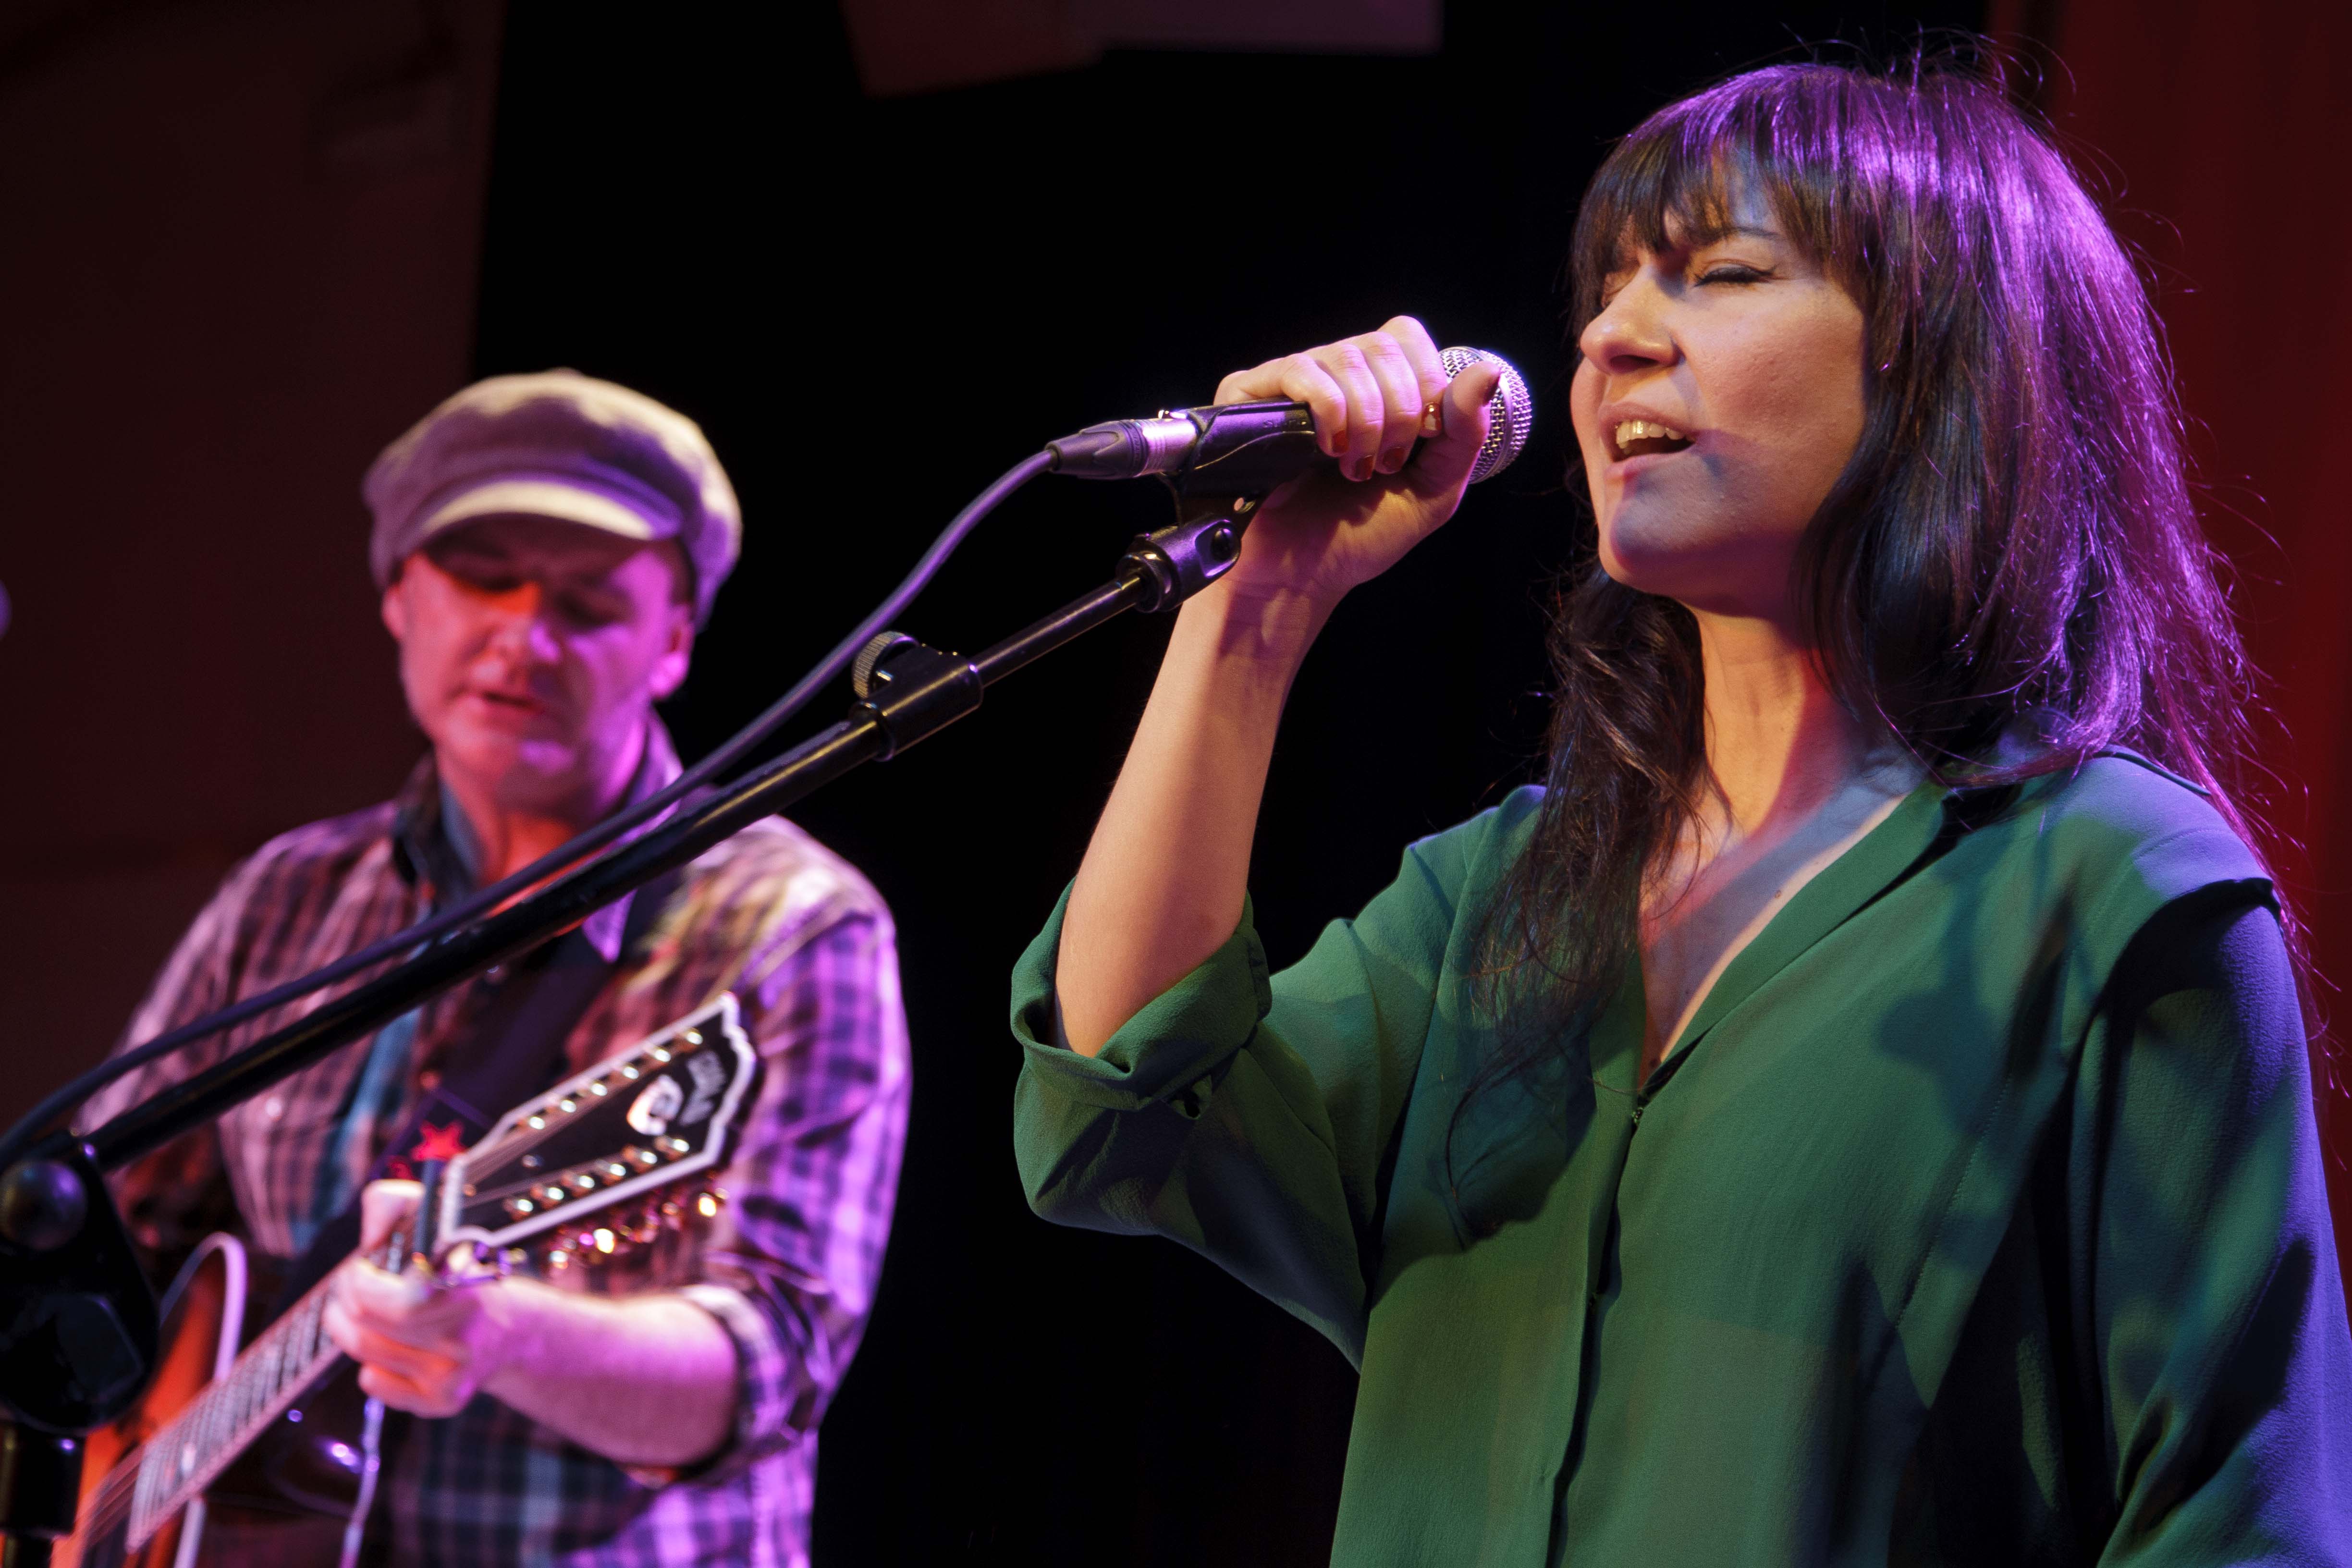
{"x": 740, "y": 745}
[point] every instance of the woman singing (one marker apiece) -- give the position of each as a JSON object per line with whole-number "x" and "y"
{"x": 1857, "y": 1109}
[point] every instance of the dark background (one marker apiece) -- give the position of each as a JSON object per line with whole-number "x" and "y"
{"x": 876, "y": 305}
{"x": 251, "y": 240}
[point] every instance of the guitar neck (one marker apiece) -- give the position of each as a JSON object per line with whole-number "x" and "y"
{"x": 184, "y": 1456}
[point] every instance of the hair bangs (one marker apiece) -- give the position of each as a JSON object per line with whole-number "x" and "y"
{"x": 1795, "y": 136}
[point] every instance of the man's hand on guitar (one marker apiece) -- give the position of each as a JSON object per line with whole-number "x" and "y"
{"x": 422, "y": 1347}
{"x": 643, "y": 1379}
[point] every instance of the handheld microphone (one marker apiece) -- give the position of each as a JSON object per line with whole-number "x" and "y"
{"x": 1247, "y": 449}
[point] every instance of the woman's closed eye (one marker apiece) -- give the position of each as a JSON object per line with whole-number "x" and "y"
{"x": 1733, "y": 272}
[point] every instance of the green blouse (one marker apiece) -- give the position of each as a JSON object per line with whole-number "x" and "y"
{"x": 1976, "y": 1216}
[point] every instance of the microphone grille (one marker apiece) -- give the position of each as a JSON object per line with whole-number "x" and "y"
{"x": 1509, "y": 417}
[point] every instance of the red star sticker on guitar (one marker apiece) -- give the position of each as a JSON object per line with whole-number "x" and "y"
{"x": 440, "y": 1142}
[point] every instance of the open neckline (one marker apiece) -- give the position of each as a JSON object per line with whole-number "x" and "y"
{"x": 1829, "y": 896}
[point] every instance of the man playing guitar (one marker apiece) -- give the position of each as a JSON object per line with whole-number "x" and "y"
{"x": 547, "y": 545}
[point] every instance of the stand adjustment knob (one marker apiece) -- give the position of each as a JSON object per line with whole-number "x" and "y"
{"x": 872, "y": 657}
{"x": 911, "y": 690}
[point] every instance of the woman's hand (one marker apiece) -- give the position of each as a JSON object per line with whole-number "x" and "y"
{"x": 1374, "y": 397}
{"x": 1163, "y": 878}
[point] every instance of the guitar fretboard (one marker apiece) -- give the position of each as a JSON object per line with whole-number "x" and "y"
{"x": 185, "y": 1456}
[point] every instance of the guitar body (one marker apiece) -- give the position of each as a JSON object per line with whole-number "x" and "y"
{"x": 306, "y": 1464}
{"x": 203, "y": 1313}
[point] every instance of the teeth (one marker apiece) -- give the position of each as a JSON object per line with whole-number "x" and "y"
{"x": 1633, "y": 430}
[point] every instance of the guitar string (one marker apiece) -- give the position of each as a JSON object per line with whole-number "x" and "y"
{"x": 110, "y": 1503}
{"x": 524, "y": 1139}
{"x": 230, "y": 1403}
{"x": 218, "y": 1417}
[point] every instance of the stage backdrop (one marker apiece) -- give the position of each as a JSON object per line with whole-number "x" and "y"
{"x": 2204, "y": 133}
{"x": 238, "y": 249}
{"x": 243, "y": 240}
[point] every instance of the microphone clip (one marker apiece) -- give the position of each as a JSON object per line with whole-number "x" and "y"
{"x": 1238, "y": 454}
{"x": 1172, "y": 564}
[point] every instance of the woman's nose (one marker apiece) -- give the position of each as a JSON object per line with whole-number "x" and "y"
{"x": 1630, "y": 333}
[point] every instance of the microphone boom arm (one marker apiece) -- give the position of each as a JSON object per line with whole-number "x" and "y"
{"x": 78, "y": 1318}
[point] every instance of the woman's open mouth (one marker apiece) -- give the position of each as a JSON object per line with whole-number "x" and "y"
{"x": 1643, "y": 438}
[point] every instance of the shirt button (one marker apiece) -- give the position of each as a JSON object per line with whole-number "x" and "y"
{"x": 274, "y": 1108}
{"x": 429, "y": 1081}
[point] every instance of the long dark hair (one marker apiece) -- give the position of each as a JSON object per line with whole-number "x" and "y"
{"x": 2012, "y": 539}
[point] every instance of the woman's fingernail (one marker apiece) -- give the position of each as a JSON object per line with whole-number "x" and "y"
{"x": 1338, "y": 440}
{"x": 1358, "y": 468}
{"x": 1432, "y": 420}
{"x": 1393, "y": 459}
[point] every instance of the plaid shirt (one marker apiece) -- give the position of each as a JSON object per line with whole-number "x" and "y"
{"x": 788, "y": 1266}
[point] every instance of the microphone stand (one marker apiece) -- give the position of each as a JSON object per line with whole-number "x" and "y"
{"x": 77, "y": 1320}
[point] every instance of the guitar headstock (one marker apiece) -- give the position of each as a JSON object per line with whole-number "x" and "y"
{"x": 600, "y": 1160}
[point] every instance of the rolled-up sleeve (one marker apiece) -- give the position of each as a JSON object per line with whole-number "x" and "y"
{"x": 790, "y": 1267}
{"x": 1248, "y": 1115}
{"x": 769, "y": 1378}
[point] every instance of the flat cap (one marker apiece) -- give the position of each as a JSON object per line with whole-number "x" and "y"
{"x": 563, "y": 445}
